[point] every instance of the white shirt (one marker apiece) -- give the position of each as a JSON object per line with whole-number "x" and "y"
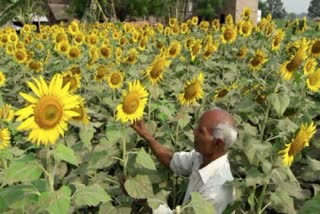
{"x": 208, "y": 181}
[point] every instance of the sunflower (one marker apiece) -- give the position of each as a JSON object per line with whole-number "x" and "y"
{"x": 204, "y": 25}
{"x": 115, "y": 79}
{"x": 159, "y": 27}
{"x": 116, "y": 35}
{"x": 315, "y": 48}
{"x": 155, "y": 71}
{"x": 2, "y": 79}
{"x": 101, "y": 73}
{"x": 277, "y": 39}
{"x": 269, "y": 29}
{"x": 94, "y": 54}
{"x": 222, "y": 92}
{"x": 143, "y": 43}
{"x": 175, "y": 30}
{"x": 229, "y": 20}
{"x": 79, "y": 38}
{"x": 167, "y": 31}
{"x": 174, "y": 49}
{"x": 59, "y": 37}
{"x": 4, "y": 138}
{"x": 173, "y": 22}
{"x": 313, "y": 81}
{"x": 74, "y": 53}
{"x": 259, "y": 59}
{"x": 194, "y": 20}
{"x": 133, "y": 103}
{"x": 105, "y": 52}
{"x": 62, "y": 47}
{"x": 123, "y": 40}
{"x": 184, "y": 28}
{"x": 35, "y": 65}
{"x": 245, "y": 28}
{"x": 192, "y": 90}
{"x": 47, "y": 114}
{"x": 92, "y": 39}
{"x": 132, "y": 57}
{"x": 298, "y": 143}
{"x": 290, "y": 66}
{"x": 228, "y": 35}
{"x": 82, "y": 111}
{"x": 242, "y": 52}
{"x": 20, "y": 56}
{"x": 216, "y": 24}
{"x": 73, "y": 28}
{"x": 13, "y": 38}
{"x": 74, "y": 69}
{"x": 246, "y": 13}
{"x": 209, "y": 49}
{"x": 195, "y": 49}
{"x": 72, "y": 79}
{"x": 6, "y": 113}
{"x": 310, "y": 65}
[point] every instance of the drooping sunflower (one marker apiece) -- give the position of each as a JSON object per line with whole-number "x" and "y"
{"x": 173, "y": 22}
{"x": 184, "y": 28}
{"x": 246, "y": 13}
{"x": 192, "y": 91}
{"x": 298, "y": 143}
{"x": 2, "y": 79}
{"x": 35, "y": 65}
{"x": 259, "y": 59}
{"x": 115, "y": 79}
{"x": 6, "y": 113}
{"x": 315, "y": 48}
{"x": 245, "y": 28}
{"x": 277, "y": 39}
{"x": 4, "y": 138}
{"x": 229, "y": 20}
{"x": 242, "y": 52}
{"x": 73, "y": 27}
{"x": 228, "y": 34}
{"x": 101, "y": 73}
{"x": 82, "y": 113}
{"x": 210, "y": 49}
{"x": 223, "y": 91}
{"x": 309, "y": 66}
{"x": 195, "y": 49}
{"x": 155, "y": 71}
{"x": 72, "y": 79}
{"x": 132, "y": 57}
{"x": 134, "y": 101}
{"x": 313, "y": 81}
{"x": 48, "y": 112}
{"x": 216, "y": 24}
{"x": 204, "y": 25}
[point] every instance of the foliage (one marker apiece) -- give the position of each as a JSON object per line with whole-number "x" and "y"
{"x": 263, "y": 6}
{"x": 208, "y": 9}
{"x": 314, "y": 9}
{"x": 275, "y": 7}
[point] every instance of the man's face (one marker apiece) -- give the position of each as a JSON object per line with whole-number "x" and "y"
{"x": 203, "y": 140}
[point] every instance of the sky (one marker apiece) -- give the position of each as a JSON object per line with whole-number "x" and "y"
{"x": 296, "y": 6}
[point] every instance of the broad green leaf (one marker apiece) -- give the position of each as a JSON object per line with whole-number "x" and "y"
{"x": 255, "y": 150}
{"x": 183, "y": 119}
{"x": 90, "y": 195}
{"x": 113, "y": 132}
{"x": 110, "y": 209}
{"x": 23, "y": 170}
{"x": 65, "y": 153}
{"x": 57, "y": 202}
{"x": 255, "y": 177}
{"x": 311, "y": 206}
{"x": 159, "y": 198}
{"x": 86, "y": 134}
{"x": 143, "y": 159}
{"x": 282, "y": 202}
{"x": 314, "y": 164}
{"x": 139, "y": 187}
{"x": 200, "y": 205}
{"x": 279, "y": 101}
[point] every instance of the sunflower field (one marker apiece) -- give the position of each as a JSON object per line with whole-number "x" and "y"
{"x": 69, "y": 92}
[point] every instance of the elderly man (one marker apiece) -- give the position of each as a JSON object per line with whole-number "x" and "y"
{"x": 207, "y": 165}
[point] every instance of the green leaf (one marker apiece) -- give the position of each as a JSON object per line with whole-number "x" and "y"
{"x": 311, "y": 206}
{"x": 86, "y": 134}
{"x": 143, "y": 159}
{"x": 108, "y": 208}
{"x": 183, "y": 119}
{"x": 279, "y": 101}
{"x": 255, "y": 177}
{"x": 139, "y": 187}
{"x": 255, "y": 150}
{"x": 23, "y": 170}
{"x": 159, "y": 198}
{"x": 57, "y": 202}
{"x": 65, "y": 153}
{"x": 113, "y": 132}
{"x": 200, "y": 205}
{"x": 282, "y": 202}
{"x": 90, "y": 195}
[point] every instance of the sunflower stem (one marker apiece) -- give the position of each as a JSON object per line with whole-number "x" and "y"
{"x": 50, "y": 176}
{"x": 124, "y": 155}
{"x": 177, "y": 133}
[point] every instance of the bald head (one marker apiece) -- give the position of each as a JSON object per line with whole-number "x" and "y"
{"x": 212, "y": 117}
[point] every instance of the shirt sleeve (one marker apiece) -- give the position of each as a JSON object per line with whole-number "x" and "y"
{"x": 182, "y": 162}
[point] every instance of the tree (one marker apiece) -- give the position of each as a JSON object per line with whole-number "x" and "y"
{"x": 314, "y": 9}
{"x": 275, "y": 7}
{"x": 208, "y": 9}
{"x": 263, "y": 7}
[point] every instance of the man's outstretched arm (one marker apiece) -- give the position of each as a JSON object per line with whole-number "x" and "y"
{"x": 163, "y": 154}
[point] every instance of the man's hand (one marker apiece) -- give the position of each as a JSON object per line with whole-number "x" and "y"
{"x": 140, "y": 127}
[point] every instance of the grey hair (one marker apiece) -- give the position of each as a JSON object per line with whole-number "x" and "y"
{"x": 226, "y": 133}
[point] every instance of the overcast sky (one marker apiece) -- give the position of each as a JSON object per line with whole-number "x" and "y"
{"x": 296, "y": 6}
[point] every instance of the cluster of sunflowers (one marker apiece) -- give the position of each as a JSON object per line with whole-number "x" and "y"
{"x": 108, "y": 52}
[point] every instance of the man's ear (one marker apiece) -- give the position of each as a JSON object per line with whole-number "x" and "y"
{"x": 220, "y": 143}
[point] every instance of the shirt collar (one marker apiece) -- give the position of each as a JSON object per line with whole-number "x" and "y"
{"x": 207, "y": 171}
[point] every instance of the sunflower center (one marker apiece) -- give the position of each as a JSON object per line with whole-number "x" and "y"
{"x": 191, "y": 91}
{"x": 101, "y": 72}
{"x": 35, "y": 65}
{"x": 256, "y": 60}
{"x": 245, "y": 29}
{"x": 74, "y": 52}
{"x": 295, "y": 147}
{"x": 63, "y": 48}
{"x": 48, "y": 112}
{"x": 79, "y": 39}
{"x": 105, "y": 52}
{"x": 60, "y": 37}
{"x": 20, "y": 55}
{"x": 222, "y": 93}
{"x": 227, "y": 34}
{"x": 157, "y": 70}
{"x": 131, "y": 103}
{"x": 115, "y": 79}
{"x": 316, "y": 47}
{"x": 173, "y": 51}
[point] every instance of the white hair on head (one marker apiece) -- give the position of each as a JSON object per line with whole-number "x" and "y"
{"x": 226, "y": 133}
